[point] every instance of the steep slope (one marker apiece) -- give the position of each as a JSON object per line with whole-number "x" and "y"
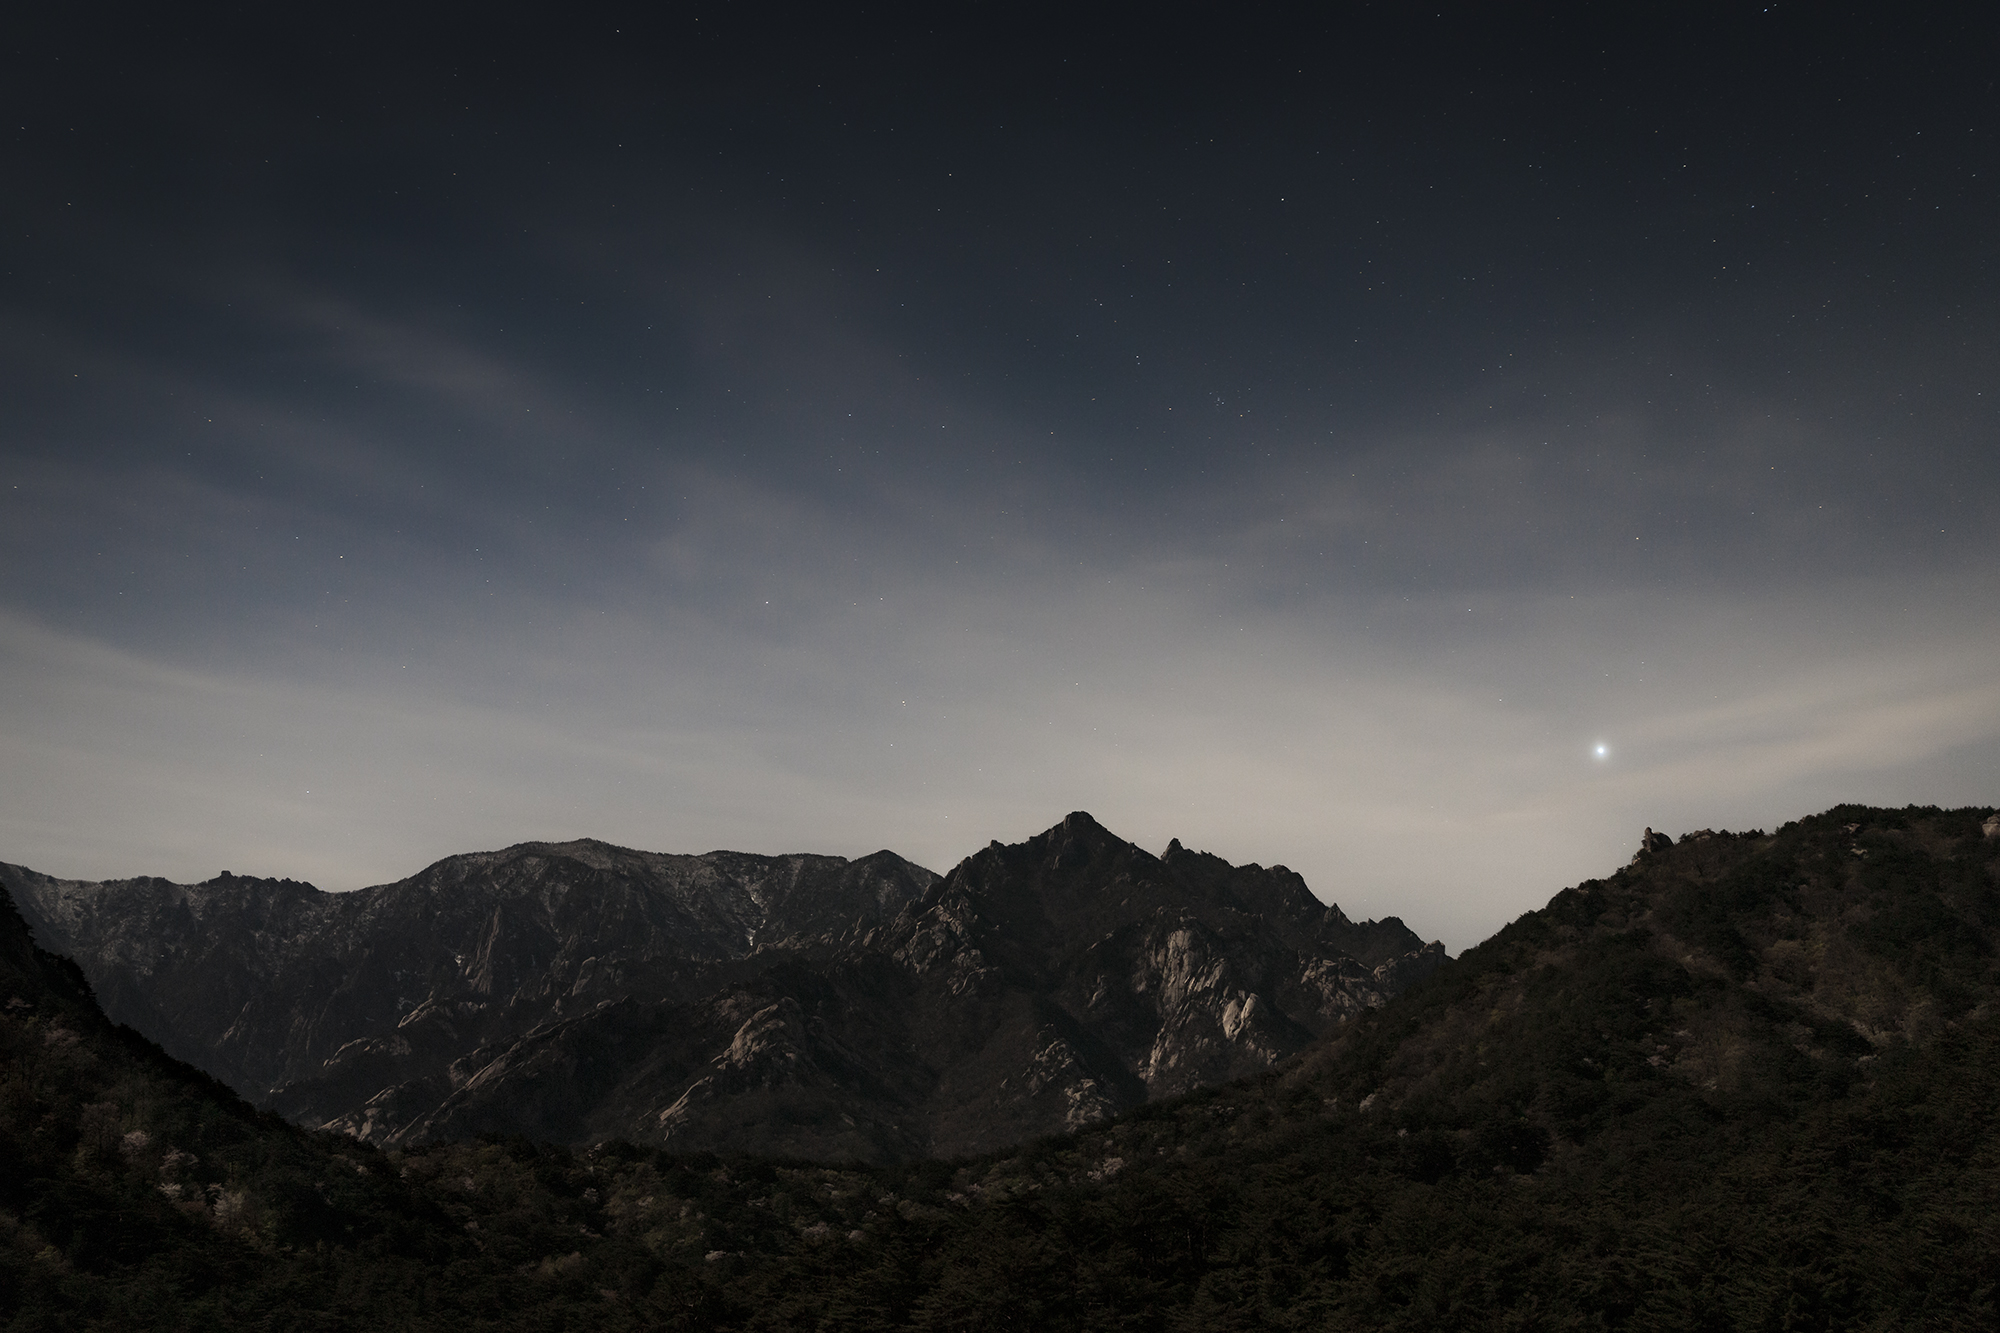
{"x": 800, "y": 1005}
{"x": 137, "y": 1192}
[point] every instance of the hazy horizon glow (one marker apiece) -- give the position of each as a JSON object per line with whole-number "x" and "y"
{"x": 1313, "y": 444}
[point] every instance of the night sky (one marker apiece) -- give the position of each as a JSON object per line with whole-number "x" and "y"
{"x": 1310, "y": 436}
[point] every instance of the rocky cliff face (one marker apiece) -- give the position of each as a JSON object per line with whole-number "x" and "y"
{"x": 800, "y": 1005}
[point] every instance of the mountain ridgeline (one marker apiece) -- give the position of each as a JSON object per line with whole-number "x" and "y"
{"x": 805, "y": 1006}
{"x": 1747, "y": 1082}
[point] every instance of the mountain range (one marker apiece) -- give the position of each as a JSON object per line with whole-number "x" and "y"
{"x": 1747, "y": 1082}
{"x": 804, "y": 1006}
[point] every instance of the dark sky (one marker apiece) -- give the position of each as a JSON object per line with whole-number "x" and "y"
{"x": 1312, "y": 435}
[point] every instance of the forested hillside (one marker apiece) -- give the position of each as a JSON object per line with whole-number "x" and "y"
{"x": 1748, "y": 1082}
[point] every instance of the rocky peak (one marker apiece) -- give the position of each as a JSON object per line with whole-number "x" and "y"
{"x": 1651, "y": 842}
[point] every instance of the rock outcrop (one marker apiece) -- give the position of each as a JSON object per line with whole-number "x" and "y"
{"x": 801, "y": 1005}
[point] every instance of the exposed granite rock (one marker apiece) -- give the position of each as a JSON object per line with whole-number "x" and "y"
{"x": 806, "y": 1006}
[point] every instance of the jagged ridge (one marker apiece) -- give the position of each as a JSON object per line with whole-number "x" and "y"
{"x": 801, "y": 1005}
